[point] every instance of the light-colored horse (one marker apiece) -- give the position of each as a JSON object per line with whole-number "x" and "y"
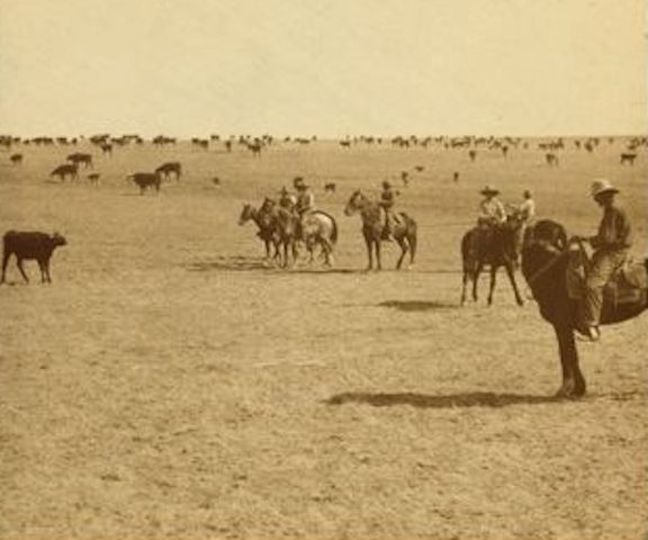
{"x": 403, "y": 230}
{"x": 318, "y": 227}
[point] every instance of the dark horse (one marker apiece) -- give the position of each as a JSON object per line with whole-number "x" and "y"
{"x": 403, "y": 231}
{"x": 495, "y": 245}
{"x": 266, "y": 220}
{"x": 545, "y": 257}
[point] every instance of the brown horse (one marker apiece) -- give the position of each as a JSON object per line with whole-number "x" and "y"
{"x": 403, "y": 231}
{"x": 495, "y": 246}
{"x": 545, "y": 257}
{"x": 266, "y": 220}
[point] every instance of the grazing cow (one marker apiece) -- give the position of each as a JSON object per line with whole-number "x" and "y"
{"x": 405, "y": 177}
{"x": 146, "y": 180}
{"x": 455, "y": 176}
{"x": 505, "y": 150}
{"x": 64, "y": 170}
{"x": 170, "y": 167}
{"x": 78, "y": 157}
{"x": 107, "y": 148}
{"x": 330, "y": 187}
{"x": 345, "y": 144}
{"x": 94, "y": 178}
{"x": 255, "y": 148}
{"x": 228, "y": 146}
{"x": 30, "y": 245}
{"x": 16, "y": 158}
{"x": 472, "y": 154}
{"x": 419, "y": 168}
{"x": 216, "y": 181}
{"x": 551, "y": 159}
{"x": 627, "y": 158}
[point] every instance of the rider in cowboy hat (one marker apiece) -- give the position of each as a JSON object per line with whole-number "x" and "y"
{"x": 287, "y": 200}
{"x": 611, "y": 245}
{"x": 491, "y": 210}
{"x": 387, "y": 201}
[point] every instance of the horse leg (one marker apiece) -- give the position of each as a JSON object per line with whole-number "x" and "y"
{"x": 493, "y": 275}
{"x": 475, "y": 277}
{"x": 573, "y": 384}
{"x": 327, "y": 248}
{"x": 368, "y": 242}
{"x": 511, "y": 276}
{"x": 378, "y": 262}
{"x": 466, "y": 278}
{"x": 403, "y": 245}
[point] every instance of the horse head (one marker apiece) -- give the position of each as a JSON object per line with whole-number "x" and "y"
{"x": 354, "y": 204}
{"x": 246, "y": 214}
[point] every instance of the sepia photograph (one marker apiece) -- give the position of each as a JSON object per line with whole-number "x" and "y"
{"x": 324, "y": 270}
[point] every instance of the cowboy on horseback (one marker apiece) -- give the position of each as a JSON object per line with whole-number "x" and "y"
{"x": 286, "y": 199}
{"x": 491, "y": 209}
{"x": 611, "y": 245}
{"x": 305, "y": 202}
{"x": 387, "y": 201}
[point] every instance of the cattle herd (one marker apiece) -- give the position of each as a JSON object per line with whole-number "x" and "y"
{"x": 39, "y": 246}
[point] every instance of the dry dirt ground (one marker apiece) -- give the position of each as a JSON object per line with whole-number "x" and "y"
{"x": 170, "y": 383}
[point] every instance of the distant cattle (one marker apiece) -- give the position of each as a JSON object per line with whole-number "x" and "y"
{"x": 77, "y": 158}
{"x": 29, "y": 246}
{"x": 405, "y": 177}
{"x": 94, "y": 178}
{"x": 16, "y": 159}
{"x": 472, "y": 154}
{"x": 455, "y": 176}
{"x": 627, "y": 158}
{"x": 255, "y": 148}
{"x": 330, "y": 187}
{"x": 170, "y": 167}
{"x": 107, "y": 148}
{"x": 146, "y": 180}
{"x": 68, "y": 169}
{"x": 202, "y": 143}
{"x": 419, "y": 168}
{"x": 345, "y": 144}
{"x": 216, "y": 181}
{"x": 551, "y": 159}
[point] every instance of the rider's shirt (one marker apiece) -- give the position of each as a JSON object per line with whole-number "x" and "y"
{"x": 527, "y": 210}
{"x": 492, "y": 210}
{"x": 614, "y": 231}
{"x": 387, "y": 198}
{"x": 305, "y": 201}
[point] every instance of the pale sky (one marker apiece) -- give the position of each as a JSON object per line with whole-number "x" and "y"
{"x": 325, "y": 67}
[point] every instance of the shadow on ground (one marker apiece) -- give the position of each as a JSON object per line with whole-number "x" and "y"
{"x": 416, "y": 305}
{"x": 471, "y": 399}
{"x": 230, "y": 263}
{"x": 239, "y": 263}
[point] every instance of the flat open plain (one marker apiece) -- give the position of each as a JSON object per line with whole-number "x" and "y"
{"x": 171, "y": 383}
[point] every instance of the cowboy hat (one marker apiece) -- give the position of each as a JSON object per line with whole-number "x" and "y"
{"x": 489, "y": 190}
{"x": 602, "y": 185}
{"x": 298, "y": 180}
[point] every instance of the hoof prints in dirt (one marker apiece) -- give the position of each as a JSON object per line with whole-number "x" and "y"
{"x": 473, "y": 399}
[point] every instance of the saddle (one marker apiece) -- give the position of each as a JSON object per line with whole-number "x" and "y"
{"x": 628, "y": 285}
